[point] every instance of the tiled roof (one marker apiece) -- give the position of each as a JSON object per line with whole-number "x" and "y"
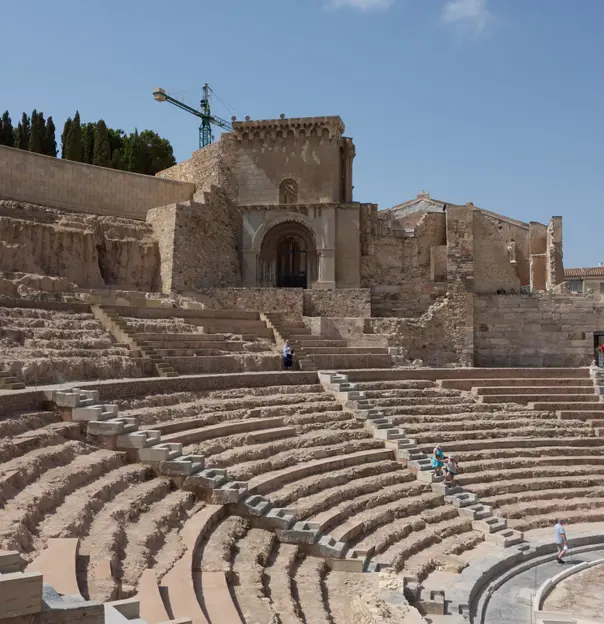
{"x": 590, "y": 272}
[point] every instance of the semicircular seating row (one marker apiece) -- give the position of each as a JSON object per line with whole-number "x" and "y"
{"x": 137, "y": 534}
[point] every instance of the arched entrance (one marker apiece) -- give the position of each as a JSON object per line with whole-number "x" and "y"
{"x": 288, "y": 257}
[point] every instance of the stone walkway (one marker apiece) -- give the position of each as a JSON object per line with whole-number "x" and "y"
{"x": 512, "y": 602}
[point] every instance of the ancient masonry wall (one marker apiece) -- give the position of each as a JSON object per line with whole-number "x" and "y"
{"x": 199, "y": 243}
{"x": 293, "y": 302}
{"x": 88, "y": 250}
{"x": 536, "y": 330}
{"x": 67, "y": 185}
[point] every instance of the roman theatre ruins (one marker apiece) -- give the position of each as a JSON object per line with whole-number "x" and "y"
{"x": 157, "y": 464}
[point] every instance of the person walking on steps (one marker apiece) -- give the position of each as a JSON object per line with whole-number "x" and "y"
{"x": 451, "y": 471}
{"x": 288, "y": 356}
{"x": 438, "y": 460}
{"x": 561, "y": 542}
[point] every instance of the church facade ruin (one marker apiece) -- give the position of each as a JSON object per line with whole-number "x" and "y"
{"x": 265, "y": 219}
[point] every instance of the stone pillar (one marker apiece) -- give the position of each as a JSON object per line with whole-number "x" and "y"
{"x": 327, "y": 269}
{"x": 555, "y": 268}
{"x": 538, "y": 264}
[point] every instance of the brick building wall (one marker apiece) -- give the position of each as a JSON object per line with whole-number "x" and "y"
{"x": 38, "y": 179}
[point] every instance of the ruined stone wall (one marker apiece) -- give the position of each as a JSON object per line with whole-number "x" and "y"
{"x": 199, "y": 243}
{"x": 443, "y": 336}
{"x": 287, "y": 301}
{"x": 89, "y": 251}
{"x": 340, "y": 302}
{"x": 66, "y": 185}
{"x": 502, "y": 252}
{"x": 212, "y": 166}
{"x": 536, "y": 330}
{"x": 397, "y": 264}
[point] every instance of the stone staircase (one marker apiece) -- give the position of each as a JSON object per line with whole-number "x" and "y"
{"x": 313, "y": 352}
{"x": 10, "y": 382}
{"x": 104, "y": 427}
{"x": 112, "y": 321}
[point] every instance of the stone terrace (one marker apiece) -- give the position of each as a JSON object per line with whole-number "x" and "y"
{"x": 46, "y": 345}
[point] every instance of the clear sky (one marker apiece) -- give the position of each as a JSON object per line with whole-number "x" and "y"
{"x": 498, "y": 102}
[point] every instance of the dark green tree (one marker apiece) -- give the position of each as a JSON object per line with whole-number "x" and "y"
{"x": 50, "y": 141}
{"x": 102, "y": 148}
{"x": 74, "y": 140}
{"x": 133, "y": 158}
{"x": 64, "y": 135}
{"x": 22, "y": 132}
{"x": 37, "y": 135}
{"x": 116, "y": 159}
{"x": 156, "y": 153}
{"x": 6, "y": 131}
{"x": 88, "y": 132}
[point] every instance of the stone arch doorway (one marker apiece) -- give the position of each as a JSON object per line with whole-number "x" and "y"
{"x": 288, "y": 257}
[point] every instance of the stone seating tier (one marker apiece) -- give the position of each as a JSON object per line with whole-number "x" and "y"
{"x": 46, "y": 345}
{"x": 292, "y": 484}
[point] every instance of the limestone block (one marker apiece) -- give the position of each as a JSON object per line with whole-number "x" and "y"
{"x": 20, "y": 594}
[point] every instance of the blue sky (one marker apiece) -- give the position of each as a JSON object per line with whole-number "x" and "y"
{"x": 498, "y": 102}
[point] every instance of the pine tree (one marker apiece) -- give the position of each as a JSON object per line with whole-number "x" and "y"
{"x": 64, "y": 135}
{"x": 50, "y": 141}
{"x": 88, "y": 132}
{"x": 102, "y": 149}
{"x": 7, "y": 132}
{"x": 74, "y": 140}
{"x": 37, "y": 134}
{"x": 22, "y": 133}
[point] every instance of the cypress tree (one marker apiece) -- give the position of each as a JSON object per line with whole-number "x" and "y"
{"x": 7, "y": 133}
{"x": 50, "y": 141}
{"x": 22, "y": 133}
{"x": 37, "y": 134}
{"x": 74, "y": 140}
{"x": 88, "y": 132}
{"x": 116, "y": 159}
{"x": 102, "y": 150}
{"x": 64, "y": 135}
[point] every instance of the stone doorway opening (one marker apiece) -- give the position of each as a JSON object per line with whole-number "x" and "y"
{"x": 292, "y": 263}
{"x": 288, "y": 257}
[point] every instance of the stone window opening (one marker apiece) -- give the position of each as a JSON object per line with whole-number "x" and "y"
{"x": 288, "y": 191}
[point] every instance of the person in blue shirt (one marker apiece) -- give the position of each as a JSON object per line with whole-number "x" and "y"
{"x": 288, "y": 356}
{"x": 438, "y": 460}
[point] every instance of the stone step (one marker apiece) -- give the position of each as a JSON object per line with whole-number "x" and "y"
{"x": 524, "y": 399}
{"x": 185, "y": 465}
{"x": 461, "y": 499}
{"x": 586, "y": 414}
{"x": 138, "y": 439}
{"x": 490, "y": 524}
{"x": 94, "y": 412}
{"x": 476, "y": 511}
{"x": 534, "y": 390}
{"x": 163, "y": 452}
{"x": 564, "y": 406}
{"x": 111, "y": 427}
{"x": 506, "y": 537}
{"x": 554, "y": 382}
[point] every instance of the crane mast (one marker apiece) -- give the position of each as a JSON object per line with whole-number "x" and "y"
{"x": 205, "y": 114}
